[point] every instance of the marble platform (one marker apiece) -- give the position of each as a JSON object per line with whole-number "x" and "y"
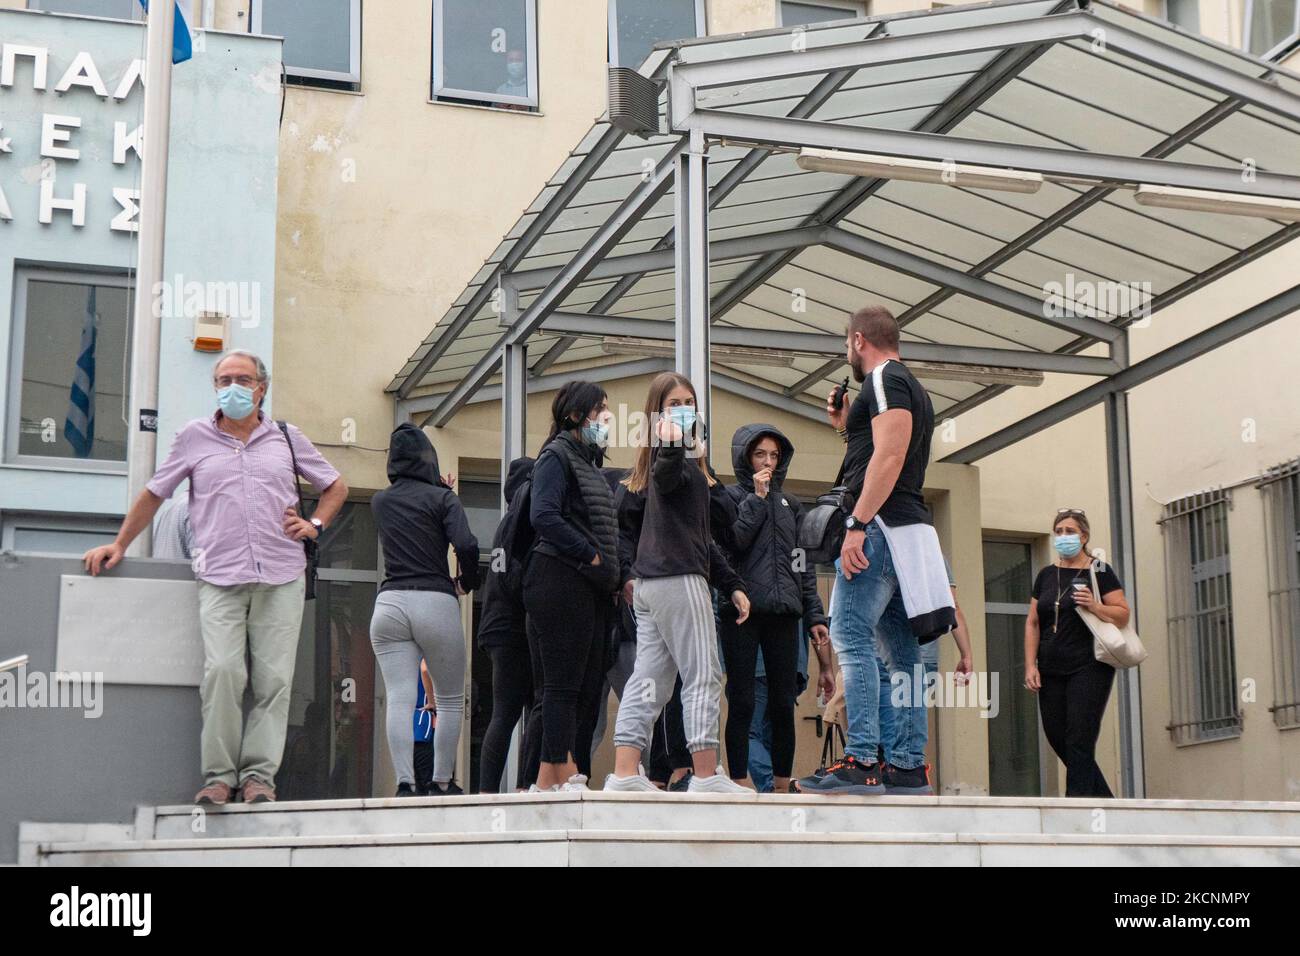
{"x": 595, "y": 829}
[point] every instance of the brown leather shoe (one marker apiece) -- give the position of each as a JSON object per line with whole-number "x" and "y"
{"x": 216, "y": 793}
{"x": 257, "y": 791}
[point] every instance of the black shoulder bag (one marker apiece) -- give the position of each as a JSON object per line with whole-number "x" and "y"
{"x": 308, "y": 544}
{"x": 821, "y": 534}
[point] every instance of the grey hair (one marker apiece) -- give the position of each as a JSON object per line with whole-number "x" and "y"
{"x": 263, "y": 376}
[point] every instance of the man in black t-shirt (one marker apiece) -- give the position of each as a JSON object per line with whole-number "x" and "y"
{"x": 887, "y": 430}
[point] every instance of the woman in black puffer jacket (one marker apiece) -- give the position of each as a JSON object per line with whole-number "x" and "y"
{"x": 762, "y": 542}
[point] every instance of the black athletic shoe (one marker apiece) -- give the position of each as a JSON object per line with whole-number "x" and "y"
{"x": 914, "y": 782}
{"x": 405, "y": 790}
{"x": 845, "y": 776}
{"x": 451, "y": 790}
{"x": 682, "y": 785}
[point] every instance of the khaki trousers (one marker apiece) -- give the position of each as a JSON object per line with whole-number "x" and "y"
{"x": 262, "y": 620}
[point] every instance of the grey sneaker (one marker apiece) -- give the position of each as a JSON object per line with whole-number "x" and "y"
{"x": 638, "y": 783}
{"x": 718, "y": 783}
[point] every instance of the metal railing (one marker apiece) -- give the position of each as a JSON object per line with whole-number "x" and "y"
{"x": 1280, "y": 489}
{"x": 1202, "y": 648}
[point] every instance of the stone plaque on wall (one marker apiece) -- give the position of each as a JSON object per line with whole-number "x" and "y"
{"x": 132, "y": 630}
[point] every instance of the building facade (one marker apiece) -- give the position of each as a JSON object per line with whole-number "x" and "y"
{"x": 416, "y": 132}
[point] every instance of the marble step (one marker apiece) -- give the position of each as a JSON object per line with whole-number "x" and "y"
{"x": 524, "y": 813}
{"x": 592, "y": 847}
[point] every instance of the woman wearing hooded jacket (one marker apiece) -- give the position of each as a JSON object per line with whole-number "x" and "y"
{"x": 416, "y": 612}
{"x": 572, "y": 576}
{"x": 763, "y": 541}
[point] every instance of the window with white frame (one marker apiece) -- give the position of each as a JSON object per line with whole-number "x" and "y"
{"x": 1185, "y": 14}
{"x": 1272, "y": 26}
{"x": 635, "y": 26}
{"x": 113, "y": 9}
{"x": 485, "y": 53}
{"x": 322, "y": 38}
{"x": 1280, "y": 487}
{"x": 1202, "y": 647}
{"x": 67, "y": 393}
{"x": 824, "y": 11}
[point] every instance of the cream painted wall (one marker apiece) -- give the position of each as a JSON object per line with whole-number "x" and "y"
{"x": 1210, "y": 423}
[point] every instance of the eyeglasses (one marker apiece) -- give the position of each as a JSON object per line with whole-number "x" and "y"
{"x": 225, "y": 381}
{"x": 1073, "y": 512}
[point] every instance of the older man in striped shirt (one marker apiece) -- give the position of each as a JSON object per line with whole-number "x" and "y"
{"x": 249, "y": 563}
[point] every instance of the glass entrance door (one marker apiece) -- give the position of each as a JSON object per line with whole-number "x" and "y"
{"x": 1014, "y": 767}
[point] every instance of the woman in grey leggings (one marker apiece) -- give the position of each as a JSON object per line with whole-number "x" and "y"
{"x": 417, "y": 614}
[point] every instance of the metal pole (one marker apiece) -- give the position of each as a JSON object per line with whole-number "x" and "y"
{"x": 1124, "y": 559}
{"x": 147, "y": 324}
{"x": 514, "y": 431}
{"x": 514, "y": 395}
{"x": 691, "y": 231}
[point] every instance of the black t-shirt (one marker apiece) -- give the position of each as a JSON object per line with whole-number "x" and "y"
{"x": 890, "y": 385}
{"x": 1069, "y": 647}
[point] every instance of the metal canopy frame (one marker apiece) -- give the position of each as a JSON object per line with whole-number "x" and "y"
{"x": 735, "y": 103}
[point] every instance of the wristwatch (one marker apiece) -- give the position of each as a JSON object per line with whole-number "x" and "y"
{"x": 851, "y": 523}
{"x": 318, "y": 525}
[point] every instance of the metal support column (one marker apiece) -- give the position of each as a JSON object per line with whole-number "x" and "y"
{"x": 514, "y": 432}
{"x": 691, "y": 231}
{"x": 514, "y": 394}
{"x": 1124, "y": 560}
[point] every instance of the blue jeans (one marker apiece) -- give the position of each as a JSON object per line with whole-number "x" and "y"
{"x": 888, "y": 726}
{"x": 864, "y": 610}
{"x": 760, "y": 740}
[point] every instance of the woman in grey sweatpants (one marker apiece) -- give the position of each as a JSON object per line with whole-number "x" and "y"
{"x": 417, "y": 614}
{"x": 675, "y": 559}
{"x": 408, "y": 626}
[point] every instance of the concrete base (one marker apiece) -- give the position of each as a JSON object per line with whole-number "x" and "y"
{"x": 599, "y": 829}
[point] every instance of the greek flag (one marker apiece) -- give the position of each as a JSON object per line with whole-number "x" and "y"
{"x": 182, "y": 46}
{"x": 79, "y": 427}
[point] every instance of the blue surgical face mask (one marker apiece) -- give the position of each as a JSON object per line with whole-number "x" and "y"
{"x": 683, "y": 416}
{"x": 1067, "y": 545}
{"x": 235, "y": 401}
{"x": 595, "y": 433}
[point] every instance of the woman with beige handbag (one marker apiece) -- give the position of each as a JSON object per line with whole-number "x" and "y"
{"x": 1061, "y": 661}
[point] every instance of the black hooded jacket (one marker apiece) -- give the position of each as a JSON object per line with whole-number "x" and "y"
{"x": 418, "y": 516}
{"x": 763, "y": 538}
{"x": 502, "y": 623}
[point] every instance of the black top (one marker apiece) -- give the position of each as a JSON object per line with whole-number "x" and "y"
{"x": 418, "y": 516}
{"x": 1069, "y": 647}
{"x": 502, "y": 620}
{"x": 558, "y": 511}
{"x": 674, "y": 534}
{"x": 890, "y": 385}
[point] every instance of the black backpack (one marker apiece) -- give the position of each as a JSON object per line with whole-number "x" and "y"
{"x": 514, "y": 537}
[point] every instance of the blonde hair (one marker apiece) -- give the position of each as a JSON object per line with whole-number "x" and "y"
{"x": 639, "y": 477}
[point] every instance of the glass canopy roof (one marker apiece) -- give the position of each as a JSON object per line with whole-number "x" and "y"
{"x": 1074, "y": 94}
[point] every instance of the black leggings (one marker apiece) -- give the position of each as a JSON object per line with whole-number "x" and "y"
{"x": 778, "y": 637}
{"x": 566, "y": 625}
{"x": 1072, "y": 706}
{"x": 512, "y": 691}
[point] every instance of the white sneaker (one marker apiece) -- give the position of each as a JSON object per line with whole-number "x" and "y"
{"x": 718, "y": 783}
{"x": 534, "y": 788}
{"x": 576, "y": 783}
{"x": 639, "y": 783}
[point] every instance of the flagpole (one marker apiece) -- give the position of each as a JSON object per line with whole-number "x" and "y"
{"x": 147, "y": 324}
